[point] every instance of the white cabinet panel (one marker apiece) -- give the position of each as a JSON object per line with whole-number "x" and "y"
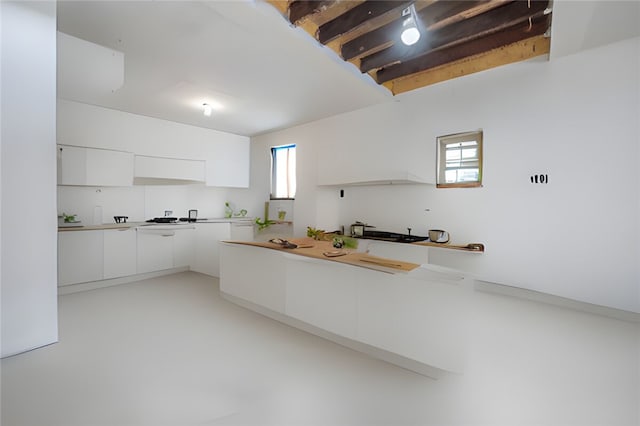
{"x": 242, "y": 230}
{"x": 94, "y": 167}
{"x": 119, "y": 253}
{"x": 184, "y": 251}
{"x": 147, "y": 167}
{"x": 155, "y": 250}
{"x": 253, "y": 274}
{"x": 322, "y": 294}
{"x": 423, "y": 320}
{"x": 80, "y": 257}
{"x": 231, "y": 164}
{"x": 207, "y": 256}
{"x": 109, "y": 168}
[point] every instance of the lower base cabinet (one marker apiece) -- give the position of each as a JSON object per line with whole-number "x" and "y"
{"x": 253, "y": 274}
{"x": 155, "y": 250}
{"x": 80, "y": 257}
{"x": 207, "y": 247}
{"x": 322, "y": 294}
{"x": 119, "y": 253}
{"x": 418, "y": 319}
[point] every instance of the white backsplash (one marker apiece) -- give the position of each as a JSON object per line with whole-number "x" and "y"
{"x": 140, "y": 203}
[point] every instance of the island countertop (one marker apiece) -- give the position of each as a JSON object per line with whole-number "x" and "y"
{"x": 309, "y": 247}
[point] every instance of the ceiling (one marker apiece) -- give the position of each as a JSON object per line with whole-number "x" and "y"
{"x": 457, "y": 37}
{"x": 277, "y": 63}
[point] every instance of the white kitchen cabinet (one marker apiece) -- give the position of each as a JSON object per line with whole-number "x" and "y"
{"x": 94, "y": 167}
{"x": 149, "y": 169}
{"x": 230, "y": 167}
{"x": 184, "y": 251}
{"x": 423, "y": 319}
{"x": 242, "y": 230}
{"x": 119, "y": 252}
{"x": 207, "y": 246}
{"x": 80, "y": 256}
{"x": 154, "y": 249}
{"x": 253, "y": 274}
{"x": 322, "y": 294}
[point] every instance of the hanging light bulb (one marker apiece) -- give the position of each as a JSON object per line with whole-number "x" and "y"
{"x": 207, "y": 110}
{"x": 410, "y": 33}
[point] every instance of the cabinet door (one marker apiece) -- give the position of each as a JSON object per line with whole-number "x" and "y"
{"x": 147, "y": 167}
{"x": 155, "y": 250}
{"x": 253, "y": 274}
{"x": 94, "y": 167}
{"x": 119, "y": 253}
{"x": 421, "y": 319}
{"x": 208, "y": 237}
{"x": 184, "y": 242}
{"x": 322, "y": 293}
{"x": 72, "y": 165}
{"x": 242, "y": 230}
{"x": 109, "y": 168}
{"x": 80, "y": 256}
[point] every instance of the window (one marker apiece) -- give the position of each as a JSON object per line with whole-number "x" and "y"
{"x": 460, "y": 160}
{"x": 283, "y": 172}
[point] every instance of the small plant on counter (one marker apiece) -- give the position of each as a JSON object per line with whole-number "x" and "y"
{"x": 316, "y": 234}
{"x": 228, "y": 211}
{"x": 69, "y": 218}
{"x": 262, "y": 224}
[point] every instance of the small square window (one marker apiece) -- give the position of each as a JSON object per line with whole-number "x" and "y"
{"x": 460, "y": 160}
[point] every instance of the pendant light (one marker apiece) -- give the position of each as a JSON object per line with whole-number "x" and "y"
{"x": 410, "y": 33}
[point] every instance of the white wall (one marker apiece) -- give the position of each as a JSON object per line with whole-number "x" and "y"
{"x": 574, "y": 118}
{"x": 29, "y": 290}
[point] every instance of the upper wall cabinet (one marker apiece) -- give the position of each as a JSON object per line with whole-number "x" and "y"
{"x": 94, "y": 167}
{"x": 160, "y": 170}
{"x": 229, "y": 167}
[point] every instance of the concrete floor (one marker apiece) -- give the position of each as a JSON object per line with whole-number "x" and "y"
{"x": 171, "y": 351}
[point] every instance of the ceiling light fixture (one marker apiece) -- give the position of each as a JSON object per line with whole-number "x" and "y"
{"x": 207, "y": 109}
{"x": 410, "y": 33}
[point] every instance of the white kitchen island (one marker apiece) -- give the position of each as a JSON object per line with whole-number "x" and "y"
{"x": 417, "y": 319}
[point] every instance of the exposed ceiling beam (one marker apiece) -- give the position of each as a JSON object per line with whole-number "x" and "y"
{"x": 479, "y": 26}
{"x": 519, "y": 51}
{"x": 357, "y": 16}
{"x": 385, "y": 36}
{"x": 302, "y": 9}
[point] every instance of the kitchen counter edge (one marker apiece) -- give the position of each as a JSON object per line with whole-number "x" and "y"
{"x": 128, "y": 225}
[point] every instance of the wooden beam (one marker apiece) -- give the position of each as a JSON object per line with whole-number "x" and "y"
{"x": 516, "y": 52}
{"x": 388, "y": 34}
{"x": 302, "y": 9}
{"x": 479, "y": 26}
{"x": 474, "y": 47}
{"x": 357, "y": 16}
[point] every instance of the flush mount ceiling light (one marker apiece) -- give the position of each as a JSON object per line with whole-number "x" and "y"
{"x": 207, "y": 109}
{"x": 410, "y": 33}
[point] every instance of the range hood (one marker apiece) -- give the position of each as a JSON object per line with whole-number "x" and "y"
{"x": 403, "y": 178}
{"x": 149, "y": 170}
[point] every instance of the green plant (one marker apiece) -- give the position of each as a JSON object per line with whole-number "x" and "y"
{"x": 316, "y": 234}
{"x": 262, "y": 224}
{"x": 69, "y": 217}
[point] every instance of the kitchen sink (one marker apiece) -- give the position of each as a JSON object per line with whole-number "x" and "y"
{"x": 393, "y": 237}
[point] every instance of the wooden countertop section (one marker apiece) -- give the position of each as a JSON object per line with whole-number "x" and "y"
{"x": 309, "y": 247}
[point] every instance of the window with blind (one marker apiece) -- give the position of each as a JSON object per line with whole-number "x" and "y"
{"x": 460, "y": 160}
{"x": 283, "y": 172}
